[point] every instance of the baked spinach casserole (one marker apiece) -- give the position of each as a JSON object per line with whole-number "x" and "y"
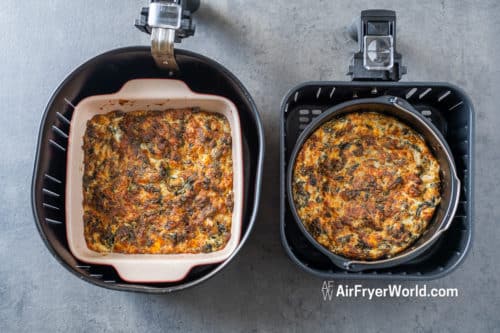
{"x": 157, "y": 182}
{"x": 365, "y": 185}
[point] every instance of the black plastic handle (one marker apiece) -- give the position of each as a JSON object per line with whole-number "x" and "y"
{"x": 375, "y": 23}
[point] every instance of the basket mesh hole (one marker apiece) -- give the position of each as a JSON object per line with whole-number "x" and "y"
{"x": 426, "y": 91}
{"x": 443, "y": 96}
{"x": 332, "y": 92}
{"x": 411, "y": 93}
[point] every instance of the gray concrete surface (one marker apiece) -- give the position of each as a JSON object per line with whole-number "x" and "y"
{"x": 271, "y": 46}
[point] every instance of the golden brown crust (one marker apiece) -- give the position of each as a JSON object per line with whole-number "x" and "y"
{"x": 157, "y": 182}
{"x": 365, "y": 185}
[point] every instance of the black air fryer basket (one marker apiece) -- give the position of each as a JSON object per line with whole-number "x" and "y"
{"x": 106, "y": 74}
{"x": 445, "y": 105}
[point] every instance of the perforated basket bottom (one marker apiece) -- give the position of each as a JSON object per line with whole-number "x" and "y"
{"x": 450, "y": 111}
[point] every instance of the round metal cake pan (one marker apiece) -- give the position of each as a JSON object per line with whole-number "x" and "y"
{"x": 450, "y": 183}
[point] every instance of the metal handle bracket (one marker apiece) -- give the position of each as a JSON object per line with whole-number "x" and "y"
{"x": 168, "y": 22}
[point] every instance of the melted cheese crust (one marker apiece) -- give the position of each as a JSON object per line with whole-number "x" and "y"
{"x": 158, "y": 182}
{"x": 365, "y": 185}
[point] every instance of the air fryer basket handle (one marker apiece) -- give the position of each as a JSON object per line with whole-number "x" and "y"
{"x": 376, "y": 27}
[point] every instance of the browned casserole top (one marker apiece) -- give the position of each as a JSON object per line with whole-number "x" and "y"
{"x": 157, "y": 182}
{"x": 365, "y": 185}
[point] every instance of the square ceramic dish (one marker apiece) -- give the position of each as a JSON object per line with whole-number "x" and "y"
{"x": 153, "y": 95}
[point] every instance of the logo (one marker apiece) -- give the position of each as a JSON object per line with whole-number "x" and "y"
{"x": 329, "y": 289}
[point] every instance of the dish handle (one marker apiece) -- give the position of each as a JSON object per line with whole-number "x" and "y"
{"x": 152, "y": 271}
{"x": 450, "y": 214}
{"x": 155, "y": 89}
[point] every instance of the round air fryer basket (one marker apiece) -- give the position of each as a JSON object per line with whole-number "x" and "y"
{"x": 450, "y": 182}
{"x": 106, "y": 74}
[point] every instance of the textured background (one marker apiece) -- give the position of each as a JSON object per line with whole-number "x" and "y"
{"x": 270, "y": 46}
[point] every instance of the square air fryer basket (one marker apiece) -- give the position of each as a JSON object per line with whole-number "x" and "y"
{"x": 452, "y": 113}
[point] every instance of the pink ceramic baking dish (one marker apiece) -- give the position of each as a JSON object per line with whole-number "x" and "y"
{"x": 147, "y": 94}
